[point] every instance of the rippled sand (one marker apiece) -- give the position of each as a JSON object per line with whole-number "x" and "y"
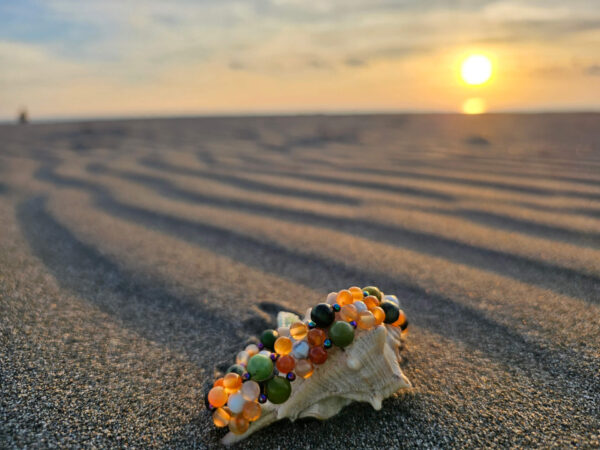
{"x": 137, "y": 256}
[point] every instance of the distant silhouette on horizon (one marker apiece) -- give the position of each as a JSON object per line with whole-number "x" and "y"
{"x": 23, "y": 117}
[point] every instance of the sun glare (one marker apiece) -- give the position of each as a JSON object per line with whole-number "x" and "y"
{"x": 476, "y": 69}
{"x": 474, "y": 106}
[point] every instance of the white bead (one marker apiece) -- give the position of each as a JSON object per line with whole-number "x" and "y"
{"x": 360, "y": 306}
{"x": 242, "y": 358}
{"x": 251, "y": 349}
{"x": 393, "y": 299}
{"x": 332, "y": 297}
{"x": 265, "y": 352}
{"x": 284, "y": 331}
{"x": 250, "y": 390}
{"x": 236, "y": 403}
{"x": 300, "y": 350}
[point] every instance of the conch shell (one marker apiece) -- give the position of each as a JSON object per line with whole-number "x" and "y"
{"x": 368, "y": 370}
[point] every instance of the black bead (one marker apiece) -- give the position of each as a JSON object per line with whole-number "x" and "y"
{"x": 268, "y": 338}
{"x": 391, "y": 312}
{"x": 404, "y": 325}
{"x": 323, "y": 315}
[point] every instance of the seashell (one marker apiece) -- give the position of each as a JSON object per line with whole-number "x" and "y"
{"x": 367, "y": 370}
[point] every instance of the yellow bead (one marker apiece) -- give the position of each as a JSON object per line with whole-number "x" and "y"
{"x": 371, "y": 301}
{"x": 344, "y": 297}
{"x": 304, "y": 368}
{"x": 251, "y": 411}
{"x": 232, "y": 383}
{"x": 348, "y": 313}
{"x": 379, "y": 315}
{"x": 238, "y": 424}
{"x": 283, "y": 345}
{"x": 366, "y": 320}
{"x": 221, "y": 418}
{"x": 298, "y": 330}
{"x": 357, "y": 293}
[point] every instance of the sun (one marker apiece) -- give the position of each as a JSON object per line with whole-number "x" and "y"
{"x": 476, "y": 69}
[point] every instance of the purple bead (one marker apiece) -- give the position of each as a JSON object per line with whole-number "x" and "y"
{"x": 210, "y": 407}
{"x": 260, "y": 345}
{"x": 311, "y": 324}
{"x": 327, "y": 343}
{"x": 246, "y": 376}
{"x": 353, "y": 323}
{"x": 291, "y": 376}
{"x": 336, "y": 307}
{"x": 274, "y": 356}
{"x": 262, "y": 398}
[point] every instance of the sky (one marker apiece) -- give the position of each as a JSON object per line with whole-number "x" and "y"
{"x": 121, "y": 58}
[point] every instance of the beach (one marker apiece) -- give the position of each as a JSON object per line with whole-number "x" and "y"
{"x": 139, "y": 256}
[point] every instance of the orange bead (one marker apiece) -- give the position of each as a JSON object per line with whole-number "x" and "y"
{"x": 304, "y": 368}
{"x": 232, "y": 382}
{"x": 285, "y": 364}
{"x": 366, "y": 320}
{"x": 283, "y": 345}
{"x": 221, "y": 418}
{"x": 344, "y": 297}
{"x": 316, "y": 337}
{"x": 318, "y": 355}
{"x": 251, "y": 411}
{"x": 371, "y": 301}
{"x": 238, "y": 424}
{"x": 218, "y": 382}
{"x": 348, "y": 313}
{"x": 401, "y": 319}
{"x": 217, "y": 397}
{"x": 298, "y": 330}
{"x": 379, "y": 315}
{"x": 357, "y": 293}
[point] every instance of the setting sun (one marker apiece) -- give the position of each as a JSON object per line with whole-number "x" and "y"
{"x": 476, "y": 69}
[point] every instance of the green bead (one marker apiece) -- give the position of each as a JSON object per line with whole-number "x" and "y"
{"x": 260, "y": 367}
{"x": 392, "y": 313}
{"x": 341, "y": 333}
{"x": 278, "y": 390}
{"x": 268, "y": 338}
{"x": 236, "y": 368}
{"x": 373, "y": 290}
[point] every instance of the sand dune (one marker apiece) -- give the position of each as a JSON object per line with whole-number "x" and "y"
{"x": 137, "y": 256}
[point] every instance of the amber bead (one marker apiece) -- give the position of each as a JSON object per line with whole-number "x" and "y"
{"x": 285, "y": 364}
{"x": 316, "y": 337}
{"x": 217, "y": 397}
{"x": 283, "y": 345}
{"x": 252, "y": 349}
{"x": 221, "y": 418}
{"x": 344, "y": 297}
{"x": 218, "y": 382}
{"x": 232, "y": 382}
{"x": 298, "y": 330}
{"x": 348, "y": 313}
{"x": 371, "y": 301}
{"x": 379, "y": 315}
{"x": 318, "y": 355}
{"x": 251, "y": 411}
{"x": 357, "y": 293}
{"x": 401, "y": 319}
{"x": 304, "y": 368}
{"x": 238, "y": 424}
{"x": 250, "y": 390}
{"x": 366, "y": 320}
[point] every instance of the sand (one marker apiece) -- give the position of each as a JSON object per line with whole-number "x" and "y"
{"x": 138, "y": 256}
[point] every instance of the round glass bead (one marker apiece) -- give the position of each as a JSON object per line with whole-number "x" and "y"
{"x": 393, "y": 299}
{"x": 236, "y": 403}
{"x": 323, "y": 315}
{"x": 318, "y": 355}
{"x": 348, "y": 313}
{"x": 304, "y": 368}
{"x": 392, "y": 313}
{"x": 278, "y": 390}
{"x": 311, "y": 324}
{"x": 250, "y": 390}
{"x": 218, "y": 382}
{"x": 366, "y": 320}
{"x": 379, "y": 315}
{"x": 316, "y": 337}
{"x": 357, "y": 293}
{"x": 283, "y": 345}
{"x": 268, "y": 338}
{"x": 238, "y": 424}
{"x": 232, "y": 382}
{"x": 260, "y": 367}
{"x": 331, "y": 298}
{"x": 298, "y": 330}
{"x": 291, "y": 376}
{"x": 337, "y": 307}
{"x": 262, "y": 398}
{"x": 401, "y": 319}
{"x": 251, "y": 411}
{"x": 252, "y": 349}
{"x": 300, "y": 349}
{"x": 344, "y": 297}
{"x": 236, "y": 368}
{"x": 371, "y": 301}
{"x": 221, "y": 418}
{"x": 285, "y": 364}
{"x": 373, "y": 290}
{"x": 217, "y": 396}
{"x": 341, "y": 334}
{"x": 242, "y": 358}
{"x": 283, "y": 331}
{"x": 360, "y": 306}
